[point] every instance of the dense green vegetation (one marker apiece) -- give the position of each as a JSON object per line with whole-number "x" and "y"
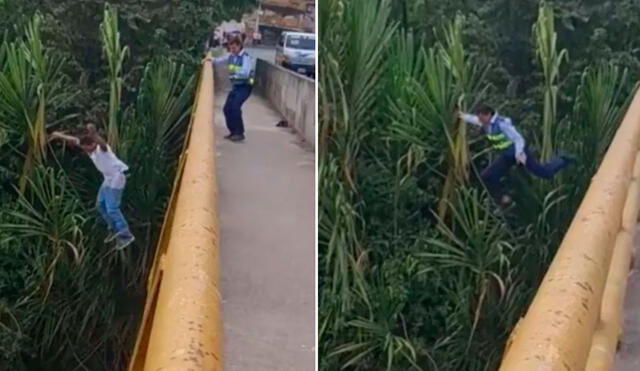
{"x": 418, "y": 269}
{"x": 67, "y": 300}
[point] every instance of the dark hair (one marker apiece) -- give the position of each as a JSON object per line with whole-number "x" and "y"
{"x": 484, "y": 109}
{"x": 86, "y": 140}
{"x": 235, "y": 40}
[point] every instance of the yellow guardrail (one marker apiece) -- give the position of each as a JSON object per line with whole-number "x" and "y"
{"x": 574, "y": 321}
{"x": 181, "y": 328}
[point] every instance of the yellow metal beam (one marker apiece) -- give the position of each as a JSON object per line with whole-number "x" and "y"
{"x": 181, "y": 328}
{"x": 557, "y": 331}
{"x": 605, "y": 339}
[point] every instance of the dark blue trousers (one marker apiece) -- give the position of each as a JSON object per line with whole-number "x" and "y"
{"x": 233, "y": 108}
{"x": 499, "y": 167}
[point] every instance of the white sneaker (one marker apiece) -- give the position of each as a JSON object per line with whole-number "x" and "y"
{"x": 121, "y": 244}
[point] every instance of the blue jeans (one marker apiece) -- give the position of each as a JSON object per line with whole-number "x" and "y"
{"x": 109, "y": 208}
{"x": 233, "y": 108}
{"x": 492, "y": 174}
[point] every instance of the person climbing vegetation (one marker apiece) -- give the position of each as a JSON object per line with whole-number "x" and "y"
{"x": 504, "y": 137}
{"x": 241, "y": 75}
{"x": 110, "y": 193}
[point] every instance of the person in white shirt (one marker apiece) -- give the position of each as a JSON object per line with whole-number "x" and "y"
{"x": 110, "y": 193}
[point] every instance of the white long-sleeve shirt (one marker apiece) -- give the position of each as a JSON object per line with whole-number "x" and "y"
{"x": 506, "y": 127}
{"x": 111, "y": 167}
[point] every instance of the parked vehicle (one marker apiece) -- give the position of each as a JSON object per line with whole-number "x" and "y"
{"x": 297, "y": 51}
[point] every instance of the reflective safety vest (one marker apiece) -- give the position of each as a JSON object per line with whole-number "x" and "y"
{"x": 498, "y": 139}
{"x": 235, "y": 64}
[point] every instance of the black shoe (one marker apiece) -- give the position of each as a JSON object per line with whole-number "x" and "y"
{"x": 236, "y": 137}
{"x": 228, "y": 136}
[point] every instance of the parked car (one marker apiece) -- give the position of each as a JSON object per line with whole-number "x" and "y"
{"x": 297, "y": 51}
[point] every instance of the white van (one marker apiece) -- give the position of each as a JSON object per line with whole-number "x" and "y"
{"x": 297, "y": 51}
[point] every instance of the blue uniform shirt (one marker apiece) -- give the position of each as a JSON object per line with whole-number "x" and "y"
{"x": 240, "y": 67}
{"x": 499, "y": 125}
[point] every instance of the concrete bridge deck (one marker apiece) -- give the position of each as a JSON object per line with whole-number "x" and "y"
{"x": 267, "y": 243}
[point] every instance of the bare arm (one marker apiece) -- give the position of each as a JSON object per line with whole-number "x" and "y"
{"x": 69, "y": 139}
{"x": 93, "y": 133}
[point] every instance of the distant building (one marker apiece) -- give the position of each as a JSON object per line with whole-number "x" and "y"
{"x": 276, "y": 16}
{"x": 225, "y": 30}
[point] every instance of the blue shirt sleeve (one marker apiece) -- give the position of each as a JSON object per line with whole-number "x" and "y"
{"x": 471, "y": 119}
{"x": 506, "y": 126}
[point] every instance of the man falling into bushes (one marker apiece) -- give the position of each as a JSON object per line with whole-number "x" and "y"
{"x": 512, "y": 148}
{"x": 110, "y": 193}
{"x": 241, "y": 75}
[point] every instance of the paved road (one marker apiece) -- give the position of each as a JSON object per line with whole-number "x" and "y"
{"x": 267, "y": 222}
{"x": 628, "y": 356}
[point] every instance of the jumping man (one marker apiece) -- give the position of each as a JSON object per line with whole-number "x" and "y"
{"x": 110, "y": 193}
{"x": 505, "y": 138}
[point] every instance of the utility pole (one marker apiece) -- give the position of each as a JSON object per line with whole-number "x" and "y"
{"x": 257, "y": 30}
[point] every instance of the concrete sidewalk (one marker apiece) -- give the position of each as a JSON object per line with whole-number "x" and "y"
{"x": 267, "y": 243}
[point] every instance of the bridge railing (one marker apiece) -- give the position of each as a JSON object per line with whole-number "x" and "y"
{"x": 291, "y": 94}
{"x": 181, "y": 326}
{"x": 574, "y": 321}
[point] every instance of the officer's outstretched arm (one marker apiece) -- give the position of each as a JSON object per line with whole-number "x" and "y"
{"x": 470, "y": 119}
{"x": 216, "y": 61}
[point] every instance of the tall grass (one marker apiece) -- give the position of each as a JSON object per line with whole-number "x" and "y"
{"x": 551, "y": 60}
{"x": 67, "y": 300}
{"x": 152, "y": 143}
{"x": 469, "y": 79}
{"x": 31, "y": 82}
{"x": 115, "y": 55}
{"x": 349, "y": 90}
{"x": 600, "y": 104}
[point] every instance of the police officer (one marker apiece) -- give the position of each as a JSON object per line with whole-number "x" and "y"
{"x": 504, "y": 138}
{"x": 241, "y": 74}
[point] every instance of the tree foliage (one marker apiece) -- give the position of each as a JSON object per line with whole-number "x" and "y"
{"x": 158, "y": 28}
